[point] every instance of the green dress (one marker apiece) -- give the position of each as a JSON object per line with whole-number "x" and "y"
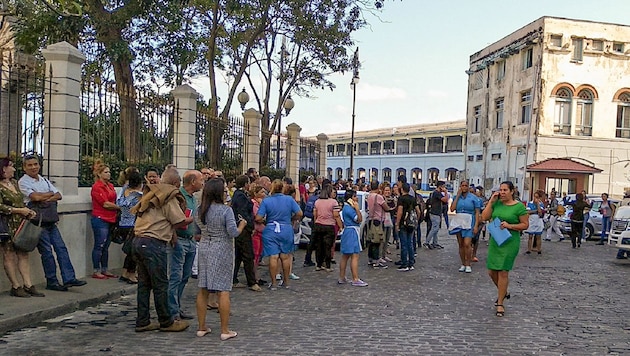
{"x": 501, "y": 258}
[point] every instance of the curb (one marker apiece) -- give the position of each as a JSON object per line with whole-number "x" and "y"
{"x": 35, "y": 317}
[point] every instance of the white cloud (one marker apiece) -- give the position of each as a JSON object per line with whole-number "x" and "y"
{"x": 437, "y": 94}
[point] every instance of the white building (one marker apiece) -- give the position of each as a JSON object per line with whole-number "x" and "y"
{"x": 549, "y": 107}
{"x": 423, "y": 153}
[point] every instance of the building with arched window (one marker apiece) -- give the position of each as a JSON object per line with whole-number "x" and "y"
{"x": 549, "y": 107}
{"x": 423, "y": 153}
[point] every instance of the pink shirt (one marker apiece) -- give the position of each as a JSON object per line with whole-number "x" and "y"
{"x": 375, "y": 207}
{"x": 325, "y": 208}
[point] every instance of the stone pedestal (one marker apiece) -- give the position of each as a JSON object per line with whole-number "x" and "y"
{"x": 184, "y": 127}
{"x": 62, "y": 124}
{"x": 293, "y": 152}
{"x": 251, "y": 152}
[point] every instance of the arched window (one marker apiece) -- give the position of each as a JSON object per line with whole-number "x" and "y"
{"x": 584, "y": 113}
{"x": 374, "y": 174}
{"x": 451, "y": 174}
{"x": 401, "y": 172}
{"x": 339, "y": 171}
{"x": 387, "y": 175}
{"x": 349, "y": 174}
{"x": 361, "y": 173}
{"x": 433, "y": 176}
{"x": 562, "y": 115}
{"x": 623, "y": 115}
{"x": 329, "y": 173}
{"x": 416, "y": 177}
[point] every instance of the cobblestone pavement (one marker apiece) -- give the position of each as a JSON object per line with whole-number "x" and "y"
{"x": 564, "y": 302}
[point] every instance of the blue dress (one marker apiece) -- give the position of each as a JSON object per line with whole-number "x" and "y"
{"x": 277, "y": 236}
{"x": 467, "y": 205}
{"x": 350, "y": 237}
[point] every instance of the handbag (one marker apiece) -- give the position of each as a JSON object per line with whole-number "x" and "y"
{"x": 46, "y": 210}
{"x": 4, "y": 228}
{"x": 387, "y": 222}
{"x": 27, "y": 235}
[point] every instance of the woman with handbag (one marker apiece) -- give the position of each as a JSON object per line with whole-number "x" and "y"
{"x": 12, "y": 212}
{"x": 129, "y": 197}
{"x": 104, "y": 211}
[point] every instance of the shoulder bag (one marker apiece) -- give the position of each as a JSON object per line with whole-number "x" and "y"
{"x": 46, "y": 210}
{"x": 27, "y": 235}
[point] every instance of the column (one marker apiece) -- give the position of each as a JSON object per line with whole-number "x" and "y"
{"x": 251, "y": 154}
{"x": 62, "y": 123}
{"x": 322, "y": 142}
{"x": 184, "y": 127}
{"x": 293, "y": 152}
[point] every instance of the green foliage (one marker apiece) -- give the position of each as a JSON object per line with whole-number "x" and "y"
{"x": 272, "y": 173}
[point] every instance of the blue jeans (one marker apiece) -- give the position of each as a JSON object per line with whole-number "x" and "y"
{"x": 605, "y": 228}
{"x": 432, "y": 236}
{"x": 150, "y": 254}
{"x": 181, "y": 260}
{"x": 50, "y": 240}
{"x": 100, "y": 254}
{"x": 406, "y": 247}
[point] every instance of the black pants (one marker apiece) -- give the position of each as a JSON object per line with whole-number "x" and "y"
{"x": 324, "y": 238}
{"x": 576, "y": 232}
{"x": 374, "y": 247}
{"x": 308, "y": 258}
{"x": 244, "y": 252}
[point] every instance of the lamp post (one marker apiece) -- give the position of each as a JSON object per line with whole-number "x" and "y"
{"x": 353, "y": 85}
{"x": 287, "y": 105}
{"x": 243, "y": 98}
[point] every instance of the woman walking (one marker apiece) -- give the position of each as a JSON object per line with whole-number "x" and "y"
{"x": 216, "y": 255}
{"x": 468, "y": 208}
{"x": 104, "y": 210}
{"x": 12, "y": 212}
{"x": 500, "y": 261}
{"x": 350, "y": 240}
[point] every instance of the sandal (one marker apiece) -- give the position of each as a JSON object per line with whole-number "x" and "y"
{"x": 499, "y": 313}
{"x": 507, "y": 296}
{"x": 228, "y": 336}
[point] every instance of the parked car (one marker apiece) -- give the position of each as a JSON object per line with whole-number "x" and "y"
{"x": 306, "y": 227}
{"x": 619, "y": 236}
{"x": 594, "y": 223}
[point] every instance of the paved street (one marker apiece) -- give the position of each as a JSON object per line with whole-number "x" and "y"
{"x": 564, "y": 302}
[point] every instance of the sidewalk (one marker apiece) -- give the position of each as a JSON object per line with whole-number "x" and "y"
{"x": 17, "y": 313}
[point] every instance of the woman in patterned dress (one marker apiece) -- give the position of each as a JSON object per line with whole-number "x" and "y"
{"x": 216, "y": 254}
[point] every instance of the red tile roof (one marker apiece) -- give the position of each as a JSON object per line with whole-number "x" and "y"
{"x": 562, "y": 165}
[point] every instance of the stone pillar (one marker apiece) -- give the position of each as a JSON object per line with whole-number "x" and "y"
{"x": 322, "y": 142}
{"x": 251, "y": 152}
{"x": 185, "y": 127}
{"x": 62, "y": 124}
{"x": 293, "y": 152}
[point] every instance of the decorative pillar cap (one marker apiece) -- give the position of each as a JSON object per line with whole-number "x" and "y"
{"x": 185, "y": 91}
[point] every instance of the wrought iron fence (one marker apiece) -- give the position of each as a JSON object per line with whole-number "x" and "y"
{"x": 220, "y": 143}
{"x": 124, "y": 127}
{"x": 23, "y": 87}
{"x": 309, "y": 156}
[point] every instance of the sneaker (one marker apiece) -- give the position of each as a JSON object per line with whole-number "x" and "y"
{"x": 278, "y": 277}
{"x": 462, "y": 268}
{"x": 19, "y": 292}
{"x": 294, "y": 276}
{"x": 468, "y": 269}
{"x": 411, "y": 268}
{"x": 33, "y": 291}
{"x": 318, "y": 268}
{"x": 426, "y": 245}
{"x": 309, "y": 264}
{"x": 329, "y": 269}
{"x": 380, "y": 265}
{"x": 430, "y": 247}
{"x": 255, "y": 288}
{"x": 438, "y": 246}
{"x": 343, "y": 281}
{"x": 359, "y": 283}
{"x": 177, "y": 326}
{"x": 403, "y": 268}
{"x": 387, "y": 259}
{"x": 151, "y": 327}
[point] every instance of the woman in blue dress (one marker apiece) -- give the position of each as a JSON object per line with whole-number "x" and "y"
{"x": 277, "y": 212}
{"x": 464, "y": 223}
{"x": 350, "y": 240}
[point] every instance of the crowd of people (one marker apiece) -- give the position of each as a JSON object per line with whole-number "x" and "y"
{"x": 201, "y": 226}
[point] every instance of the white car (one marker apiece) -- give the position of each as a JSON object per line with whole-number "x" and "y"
{"x": 619, "y": 236}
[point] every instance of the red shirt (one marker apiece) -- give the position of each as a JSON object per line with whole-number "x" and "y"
{"x": 102, "y": 193}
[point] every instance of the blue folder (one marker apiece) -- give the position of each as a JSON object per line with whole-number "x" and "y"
{"x": 499, "y": 235}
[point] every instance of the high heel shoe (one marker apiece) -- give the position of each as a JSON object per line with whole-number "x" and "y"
{"x": 507, "y": 296}
{"x": 500, "y": 313}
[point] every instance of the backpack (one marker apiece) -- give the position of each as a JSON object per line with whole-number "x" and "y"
{"x": 411, "y": 219}
{"x": 310, "y": 204}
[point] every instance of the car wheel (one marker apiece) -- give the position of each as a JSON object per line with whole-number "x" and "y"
{"x": 362, "y": 239}
{"x": 588, "y": 231}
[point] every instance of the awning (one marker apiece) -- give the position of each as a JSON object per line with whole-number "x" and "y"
{"x": 564, "y": 165}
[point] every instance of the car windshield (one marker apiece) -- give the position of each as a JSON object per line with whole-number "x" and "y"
{"x": 622, "y": 214}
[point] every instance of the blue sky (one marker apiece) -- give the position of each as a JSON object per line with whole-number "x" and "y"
{"x": 413, "y": 60}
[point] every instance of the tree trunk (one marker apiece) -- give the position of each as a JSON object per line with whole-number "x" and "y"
{"x": 129, "y": 122}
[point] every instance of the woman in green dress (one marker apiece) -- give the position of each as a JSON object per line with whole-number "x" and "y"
{"x": 500, "y": 261}
{"x": 12, "y": 211}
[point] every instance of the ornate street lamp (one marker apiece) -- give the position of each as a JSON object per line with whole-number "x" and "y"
{"x": 353, "y": 85}
{"x": 243, "y": 98}
{"x": 288, "y": 105}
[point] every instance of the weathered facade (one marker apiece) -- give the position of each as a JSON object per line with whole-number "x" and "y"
{"x": 556, "y": 88}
